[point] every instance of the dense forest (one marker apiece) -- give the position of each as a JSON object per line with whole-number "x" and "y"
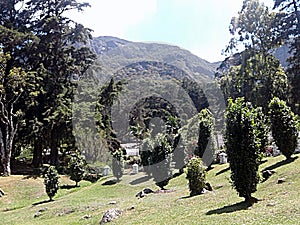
{"x": 62, "y": 94}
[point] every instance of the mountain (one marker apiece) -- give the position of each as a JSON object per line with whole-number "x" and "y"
{"x": 114, "y": 54}
{"x": 149, "y": 68}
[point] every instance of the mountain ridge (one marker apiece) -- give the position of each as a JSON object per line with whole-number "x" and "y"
{"x": 115, "y": 53}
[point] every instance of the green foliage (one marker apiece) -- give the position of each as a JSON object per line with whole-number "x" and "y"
{"x": 156, "y": 158}
{"x": 13, "y": 83}
{"x": 284, "y": 127}
{"x": 205, "y": 133}
{"x": 117, "y": 164}
{"x": 51, "y": 182}
{"x": 262, "y": 129}
{"x": 254, "y": 28}
{"x": 289, "y": 29}
{"x": 196, "y": 174}
{"x": 76, "y": 168}
{"x": 254, "y": 73}
{"x": 242, "y": 146}
{"x": 257, "y": 78}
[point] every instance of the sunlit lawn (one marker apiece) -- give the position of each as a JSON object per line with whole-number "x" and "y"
{"x": 279, "y": 202}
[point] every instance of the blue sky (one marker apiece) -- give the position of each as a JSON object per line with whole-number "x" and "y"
{"x": 196, "y": 25}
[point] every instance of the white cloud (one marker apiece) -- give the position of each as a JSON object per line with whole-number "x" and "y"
{"x": 113, "y": 17}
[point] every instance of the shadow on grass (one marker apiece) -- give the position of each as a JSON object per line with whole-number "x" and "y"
{"x": 188, "y": 196}
{"x": 231, "y": 208}
{"x": 140, "y": 180}
{"x": 32, "y": 176}
{"x": 281, "y": 163}
{"x": 110, "y": 182}
{"x": 223, "y": 171}
{"x": 67, "y": 186}
{"x": 42, "y": 202}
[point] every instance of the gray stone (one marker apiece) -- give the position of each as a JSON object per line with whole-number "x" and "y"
{"x": 85, "y": 217}
{"x": 281, "y": 180}
{"x": 42, "y": 210}
{"x": 148, "y": 191}
{"x": 110, "y": 215}
{"x": 37, "y": 214}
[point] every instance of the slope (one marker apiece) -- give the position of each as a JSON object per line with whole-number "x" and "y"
{"x": 85, "y": 205}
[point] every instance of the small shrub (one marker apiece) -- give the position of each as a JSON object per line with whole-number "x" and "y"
{"x": 284, "y": 127}
{"x": 51, "y": 182}
{"x": 117, "y": 165}
{"x": 76, "y": 168}
{"x": 195, "y": 173}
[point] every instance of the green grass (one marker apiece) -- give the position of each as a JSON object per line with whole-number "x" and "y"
{"x": 279, "y": 202}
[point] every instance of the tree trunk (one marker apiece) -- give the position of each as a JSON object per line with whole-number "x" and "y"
{"x": 54, "y": 149}
{"x": 37, "y": 154}
{"x": 6, "y": 166}
{"x": 6, "y": 142}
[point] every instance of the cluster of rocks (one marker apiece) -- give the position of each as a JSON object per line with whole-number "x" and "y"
{"x": 110, "y": 215}
{"x": 39, "y": 212}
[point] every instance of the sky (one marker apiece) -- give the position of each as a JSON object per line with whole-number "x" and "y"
{"x": 200, "y": 26}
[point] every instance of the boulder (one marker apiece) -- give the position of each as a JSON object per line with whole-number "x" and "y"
{"x": 148, "y": 191}
{"x": 281, "y": 180}
{"x": 145, "y": 191}
{"x": 110, "y": 215}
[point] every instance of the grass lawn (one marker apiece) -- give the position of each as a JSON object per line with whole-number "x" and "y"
{"x": 280, "y": 203}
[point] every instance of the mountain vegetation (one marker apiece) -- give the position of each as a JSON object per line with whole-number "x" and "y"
{"x": 69, "y": 102}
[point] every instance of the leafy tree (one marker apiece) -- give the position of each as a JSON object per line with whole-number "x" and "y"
{"x": 291, "y": 16}
{"x": 262, "y": 130}
{"x": 76, "y": 168}
{"x": 196, "y": 174}
{"x": 255, "y": 28}
{"x": 284, "y": 127}
{"x": 157, "y": 158}
{"x": 58, "y": 57}
{"x": 257, "y": 79}
{"x": 51, "y": 182}
{"x": 40, "y": 40}
{"x": 254, "y": 73}
{"x": 13, "y": 81}
{"x": 205, "y": 135}
{"x": 242, "y": 148}
{"x": 15, "y": 76}
{"x": 290, "y": 31}
{"x": 117, "y": 166}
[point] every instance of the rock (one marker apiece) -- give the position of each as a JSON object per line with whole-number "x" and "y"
{"x": 66, "y": 212}
{"x": 132, "y": 207}
{"x": 42, "y": 210}
{"x": 281, "y": 180}
{"x": 37, "y": 214}
{"x": 267, "y": 174}
{"x": 1, "y": 193}
{"x": 271, "y": 204}
{"x": 110, "y": 215}
{"x": 204, "y": 191}
{"x": 112, "y": 202}
{"x": 141, "y": 194}
{"x": 148, "y": 191}
{"x": 145, "y": 191}
{"x": 86, "y": 217}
